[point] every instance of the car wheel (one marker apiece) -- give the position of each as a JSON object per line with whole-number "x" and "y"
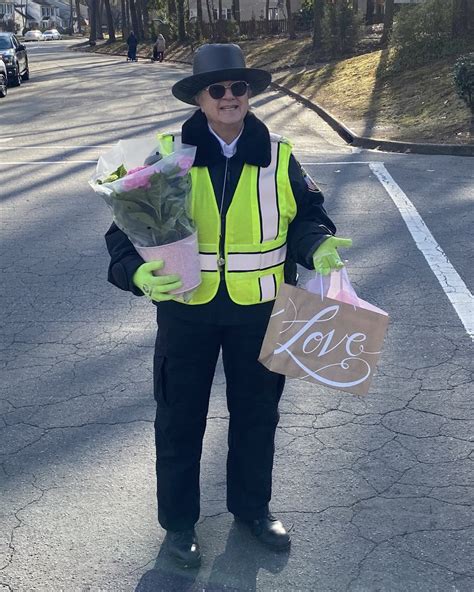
{"x": 26, "y": 73}
{"x": 16, "y": 78}
{"x": 3, "y": 85}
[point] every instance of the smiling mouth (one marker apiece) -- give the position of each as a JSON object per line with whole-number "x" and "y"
{"x": 230, "y": 108}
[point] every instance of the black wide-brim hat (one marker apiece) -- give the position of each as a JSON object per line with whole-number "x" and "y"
{"x": 216, "y": 62}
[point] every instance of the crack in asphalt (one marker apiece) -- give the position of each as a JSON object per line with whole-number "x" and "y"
{"x": 11, "y": 545}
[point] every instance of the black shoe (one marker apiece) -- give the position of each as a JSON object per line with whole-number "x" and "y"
{"x": 268, "y": 531}
{"x": 183, "y": 547}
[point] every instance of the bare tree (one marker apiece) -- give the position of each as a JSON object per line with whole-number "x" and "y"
{"x": 220, "y": 21}
{"x": 146, "y": 20}
{"x": 138, "y": 7}
{"x": 78, "y": 16}
{"x": 110, "y": 21}
{"x": 99, "y": 6}
{"x": 289, "y": 16}
{"x": 199, "y": 19}
{"x": 387, "y": 21}
{"x": 369, "y": 15}
{"x": 124, "y": 13}
{"x": 461, "y": 17}
{"x": 71, "y": 18}
{"x": 210, "y": 18}
{"x": 236, "y": 7}
{"x": 318, "y": 12}
{"x": 180, "y": 19}
{"x": 92, "y": 10}
{"x": 134, "y": 18}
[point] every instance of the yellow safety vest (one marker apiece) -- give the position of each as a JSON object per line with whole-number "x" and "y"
{"x": 256, "y": 228}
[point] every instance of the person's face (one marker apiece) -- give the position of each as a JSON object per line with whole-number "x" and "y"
{"x": 226, "y": 112}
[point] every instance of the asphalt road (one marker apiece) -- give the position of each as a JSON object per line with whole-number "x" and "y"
{"x": 378, "y": 488}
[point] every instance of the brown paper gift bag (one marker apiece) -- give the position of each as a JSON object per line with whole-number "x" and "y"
{"x": 327, "y": 339}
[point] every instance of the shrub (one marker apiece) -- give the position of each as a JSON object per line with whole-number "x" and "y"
{"x": 422, "y": 33}
{"x": 463, "y": 72}
{"x": 341, "y": 28}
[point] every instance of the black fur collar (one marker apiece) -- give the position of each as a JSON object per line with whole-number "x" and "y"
{"x": 253, "y": 146}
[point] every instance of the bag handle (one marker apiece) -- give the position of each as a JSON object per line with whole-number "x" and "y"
{"x": 336, "y": 285}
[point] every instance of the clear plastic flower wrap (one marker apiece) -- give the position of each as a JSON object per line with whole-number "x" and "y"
{"x": 150, "y": 203}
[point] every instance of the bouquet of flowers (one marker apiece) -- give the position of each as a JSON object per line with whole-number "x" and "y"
{"x": 150, "y": 203}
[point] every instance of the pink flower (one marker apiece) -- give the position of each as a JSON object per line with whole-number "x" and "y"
{"x": 184, "y": 163}
{"x": 136, "y": 181}
{"x": 136, "y": 169}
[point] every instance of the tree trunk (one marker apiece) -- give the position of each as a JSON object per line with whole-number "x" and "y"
{"x": 237, "y": 10}
{"x": 92, "y": 21}
{"x": 387, "y": 22}
{"x": 124, "y": 13}
{"x": 138, "y": 8}
{"x": 460, "y": 18}
{"x": 71, "y": 17}
{"x": 99, "y": 5}
{"x": 78, "y": 16}
{"x": 369, "y": 15}
{"x": 110, "y": 21}
{"x": 134, "y": 17}
{"x": 318, "y": 11}
{"x": 289, "y": 16}
{"x": 171, "y": 9}
{"x": 211, "y": 20}
{"x": 200, "y": 27}
{"x": 180, "y": 18}
{"x": 220, "y": 22}
{"x": 146, "y": 21}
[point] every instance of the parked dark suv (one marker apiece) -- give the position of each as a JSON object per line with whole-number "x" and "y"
{"x": 13, "y": 53}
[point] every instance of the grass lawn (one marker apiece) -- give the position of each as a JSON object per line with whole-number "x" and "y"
{"x": 419, "y": 105}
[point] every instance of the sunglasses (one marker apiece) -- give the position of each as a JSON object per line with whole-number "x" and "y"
{"x": 217, "y": 91}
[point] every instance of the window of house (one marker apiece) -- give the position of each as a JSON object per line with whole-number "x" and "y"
{"x": 226, "y": 14}
{"x": 6, "y": 8}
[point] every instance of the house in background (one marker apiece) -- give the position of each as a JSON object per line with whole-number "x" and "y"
{"x": 38, "y": 14}
{"x": 249, "y": 9}
{"x": 11, "y": 19}
{"x": 374, "y": 10}
{"x": 32, "y": 14}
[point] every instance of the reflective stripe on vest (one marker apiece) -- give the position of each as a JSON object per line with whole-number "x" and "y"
{"x": 257, "y": 222}
{"x": 255, "y": 261}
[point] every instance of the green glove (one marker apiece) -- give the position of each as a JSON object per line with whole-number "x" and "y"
{"x": 155, "y": 287}
{"x": 326, "y": 258}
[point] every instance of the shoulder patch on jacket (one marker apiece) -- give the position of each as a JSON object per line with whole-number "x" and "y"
{"x": 309, "y": 181}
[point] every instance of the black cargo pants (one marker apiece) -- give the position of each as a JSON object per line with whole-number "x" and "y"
{"x": 186, "y": 354}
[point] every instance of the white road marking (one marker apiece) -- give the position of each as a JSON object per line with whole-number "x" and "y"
{"x": 29, "y": 162}
{"x": 334, "y": 163}
{"x": 452, "y": 284}
{"x": 52, "y": 146}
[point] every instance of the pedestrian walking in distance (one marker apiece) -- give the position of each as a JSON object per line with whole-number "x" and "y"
{"x": 159, "y": 48}
{"x": 255, "y": 210}
{"x": 132, "y": 43}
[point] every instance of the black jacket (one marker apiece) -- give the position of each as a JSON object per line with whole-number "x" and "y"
{"x": 310, "y": 227}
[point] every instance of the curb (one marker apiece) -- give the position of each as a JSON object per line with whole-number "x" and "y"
{"x": 374, "y": 143}
{"x": 360, "y": 141}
